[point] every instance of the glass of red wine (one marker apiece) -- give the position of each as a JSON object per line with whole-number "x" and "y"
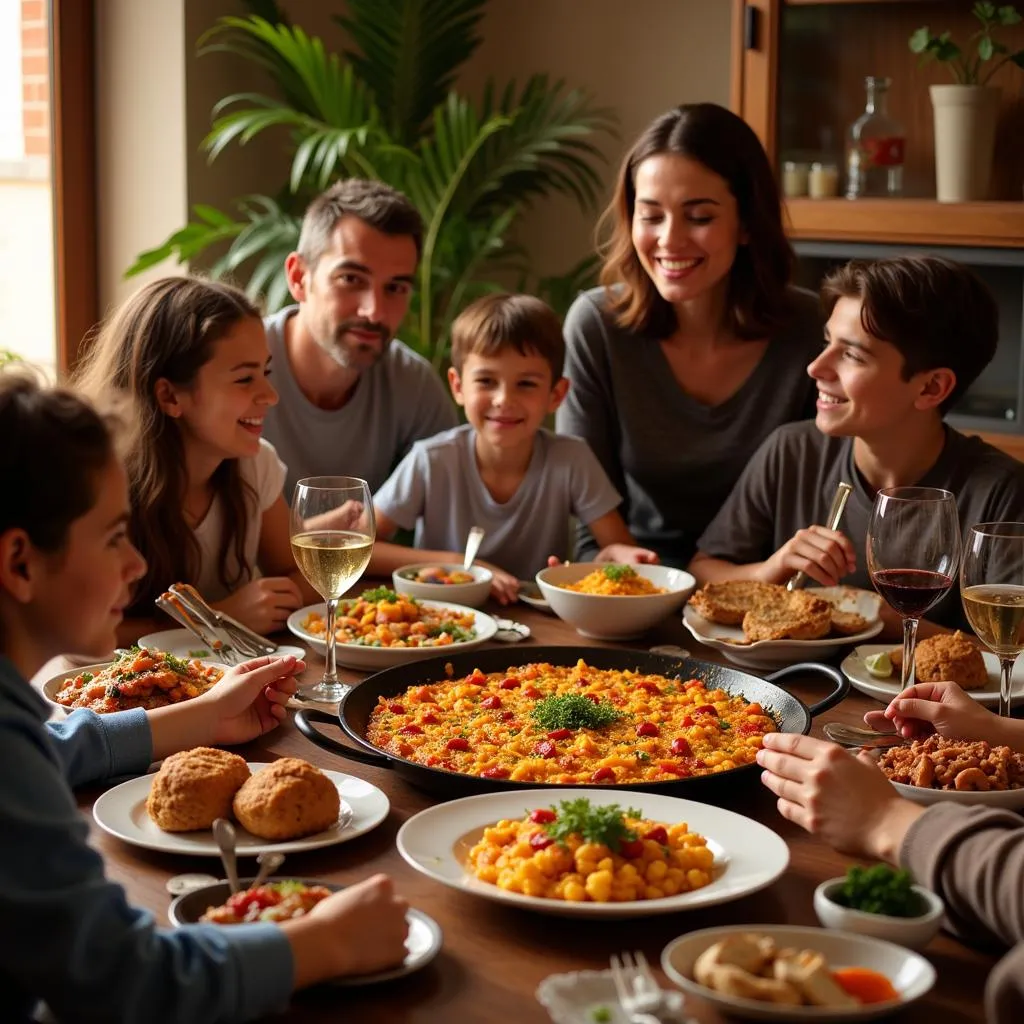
{"x": 913, "y": 550}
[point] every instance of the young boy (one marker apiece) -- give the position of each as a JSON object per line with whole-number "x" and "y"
{"x": 502, "y": 471}
{"x": 905, "y": 338}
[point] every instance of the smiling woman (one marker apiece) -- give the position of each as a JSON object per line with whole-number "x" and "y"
{"x": 190, "y": 360}
{"x": 695, "y": 347}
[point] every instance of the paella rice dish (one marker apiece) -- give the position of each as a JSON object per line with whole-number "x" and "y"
{"x": 570, "y": 724}
{"x": 614, "y": 581}
{"x": 382, "y": 618}
{"x": 582, "y": 853}
{"x": 138, "y": 678}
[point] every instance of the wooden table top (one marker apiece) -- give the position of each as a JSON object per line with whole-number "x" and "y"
{"x": 494, "y": 956}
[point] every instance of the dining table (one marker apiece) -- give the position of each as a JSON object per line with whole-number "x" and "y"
{"x": 494, "y": 955}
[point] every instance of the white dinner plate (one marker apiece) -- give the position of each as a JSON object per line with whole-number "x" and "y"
{"x": 182, "y": 644}
{"x": 910, "y": 973}
{"x": 731, "y": 642}
{"x": 529, "y": 593}
{"x": 374, "y": 658}
{"x": 121, "y": 811}
{"x": 885, "y": 689}
{"x": 748, "y": 856}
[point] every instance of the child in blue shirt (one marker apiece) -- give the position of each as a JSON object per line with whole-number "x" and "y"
{"x": 69, "y": 937}
{"x": 502, "y": 471}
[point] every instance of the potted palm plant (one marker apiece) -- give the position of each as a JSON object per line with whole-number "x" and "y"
{"x": 966, "y": 111}
{"x": 386, "y": 110}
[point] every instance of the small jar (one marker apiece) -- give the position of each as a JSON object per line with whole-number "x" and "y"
{"x": 823, "y": 181}
{"x": 794, "y": 178}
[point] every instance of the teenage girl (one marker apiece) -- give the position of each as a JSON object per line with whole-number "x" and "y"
{"x": 189, "y": 358}
{"x": 67, "y": 566}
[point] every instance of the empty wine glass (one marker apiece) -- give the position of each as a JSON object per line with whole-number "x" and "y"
{"x": 332, "y": 532}
{"x": 913, "y": 550}
{"x": 992, "y": 590}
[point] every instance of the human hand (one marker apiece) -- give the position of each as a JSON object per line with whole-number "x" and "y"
{"x": 264, "y": 604}
{"x": 826, "y": 556}
{"x": 364, "y": 926}
{"x": 627, "y": 554}
{"x": 833, "y": 794}
{"x": 943, "y": 708}
{"x": 250, "y": 698}
{"x": 504, "y": 586}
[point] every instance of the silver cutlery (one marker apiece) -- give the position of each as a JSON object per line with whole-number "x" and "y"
{"x": 638, "y": 993}
{"x": 175, "y": 608}
{"x": 269, "y": 862}
{"x": 835, "y": 514}
{"x": 224, "y": 834}
{"x": 854, "y": 736}
{"x": 245, "y": 640}
{"x": 473, "y": 542}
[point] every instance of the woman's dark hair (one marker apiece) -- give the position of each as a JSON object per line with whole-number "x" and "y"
{"x": 167, "y": 329}
{"x": 55, "y": 447}
{"x": 757, "y": 302}
{"x": 937, "y": 313}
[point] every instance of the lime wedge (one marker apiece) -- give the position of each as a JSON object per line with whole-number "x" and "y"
{"x": 879, "y": 665}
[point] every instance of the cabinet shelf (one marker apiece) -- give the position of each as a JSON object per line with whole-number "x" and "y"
{"x": 908, "y": 221}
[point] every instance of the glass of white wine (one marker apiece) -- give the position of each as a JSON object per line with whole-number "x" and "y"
{"x": 332, "y": 531}
{"x": 992, "y": 589}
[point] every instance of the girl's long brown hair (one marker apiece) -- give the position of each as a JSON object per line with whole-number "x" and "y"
{"x": 167, "y": 330}
{"x": 757, "y": 303}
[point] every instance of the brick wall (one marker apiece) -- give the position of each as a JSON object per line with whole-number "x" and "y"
{"x": 35, "y": 78}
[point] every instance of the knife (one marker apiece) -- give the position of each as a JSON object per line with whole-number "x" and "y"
{"x": 172, "y": 605}
{"x": 797, "y": 580}
{"x": 213, "y": 619}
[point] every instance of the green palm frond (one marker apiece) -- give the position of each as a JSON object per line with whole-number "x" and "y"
{"x": 548, "y": 147}
{"x": 409, "y": 53}
{"x": 210, "y": 226}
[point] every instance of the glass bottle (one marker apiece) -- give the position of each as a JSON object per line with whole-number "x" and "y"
{"x": 875, "y": 147}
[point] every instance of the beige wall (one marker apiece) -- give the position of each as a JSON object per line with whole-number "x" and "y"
{"x": 156, "y": 96}
{"x": 141, "y": 144}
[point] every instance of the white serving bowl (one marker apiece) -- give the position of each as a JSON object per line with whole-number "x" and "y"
{"x": 1004, "y": 799}
{"x": 912, "y": 932}
{"x": 910, "y": 973}
{"x": 473, "y": 595}
{"x": 602, "y": 617}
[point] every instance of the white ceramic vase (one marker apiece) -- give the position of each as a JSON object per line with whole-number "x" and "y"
{"x": 965, "y": 135}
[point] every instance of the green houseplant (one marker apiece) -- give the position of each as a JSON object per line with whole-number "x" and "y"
{"x": 386, "y": 110}
{"x": 966, "y": 111}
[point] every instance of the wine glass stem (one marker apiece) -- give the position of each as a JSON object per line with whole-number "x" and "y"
{"x": 331, "y": 667}
{"x": 1005, "y": 682}
{"x": 909, "y": 642}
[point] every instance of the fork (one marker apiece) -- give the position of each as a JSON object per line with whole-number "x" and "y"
{"x": 637, "y": 991}
{"x": 248, "y": 643}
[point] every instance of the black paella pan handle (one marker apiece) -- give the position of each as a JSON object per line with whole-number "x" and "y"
{"x": 304, "y": 719}
{"x": 840, "y": 682}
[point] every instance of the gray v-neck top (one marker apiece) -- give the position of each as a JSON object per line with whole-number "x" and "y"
{"x": 674, "y": 458}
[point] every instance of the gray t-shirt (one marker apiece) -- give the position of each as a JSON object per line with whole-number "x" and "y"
{"x": 437, "y": 488}
{"x": 674, "y": 458}
{"x": 396, "y": 402}
{"x": 791, "y": 481}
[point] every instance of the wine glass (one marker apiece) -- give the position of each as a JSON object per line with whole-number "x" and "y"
{"x": 913, "y": 550}
{"x": 992, "y": 589}
{"x": 332, "y": 531}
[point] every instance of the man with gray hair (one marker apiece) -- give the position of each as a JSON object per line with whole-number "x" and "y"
{"x": 353, "y": 398}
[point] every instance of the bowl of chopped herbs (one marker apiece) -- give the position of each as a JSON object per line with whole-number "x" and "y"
{"x": 882, "y": 902}
{"x": 609, "y": 601}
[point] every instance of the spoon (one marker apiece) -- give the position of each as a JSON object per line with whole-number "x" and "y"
{"x": 854, "y": 736}
{"x": 224, "y": 834}
{"x": 473, "y": 542}
{"x": 269, "y": 862}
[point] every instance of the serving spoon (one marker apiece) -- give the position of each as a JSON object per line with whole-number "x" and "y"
{"x": 473, "y": 542}
{"x": 854, "y": 736}
{"x": 224, "y": 834}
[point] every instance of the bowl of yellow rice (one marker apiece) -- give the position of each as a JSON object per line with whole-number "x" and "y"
{"x": 607, "y": 601}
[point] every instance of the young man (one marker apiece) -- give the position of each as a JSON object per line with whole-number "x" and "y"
{"x": 502, "y": 471}
{"x": 905, "y": 339}
{"x": 353, "y": 399}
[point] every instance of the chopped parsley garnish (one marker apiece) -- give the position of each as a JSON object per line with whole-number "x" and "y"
{"x": 642, "y": 755}
{"x": 600, "y": 1014}
{"x": 573, "y": 711}
{"x": 200, "y": 653}
{"x": 595, "y": 824}
{"x": 457, "y": 633}
{"x": 379, "y": 594}
{"x": 619, "y": 572}
{"x": 880, "y": 890}
{"x": 87, "y": 677}
{"x": 178, "y": 665}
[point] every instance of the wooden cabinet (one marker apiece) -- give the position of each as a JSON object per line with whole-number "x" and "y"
{"x": 798, "y": 69}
